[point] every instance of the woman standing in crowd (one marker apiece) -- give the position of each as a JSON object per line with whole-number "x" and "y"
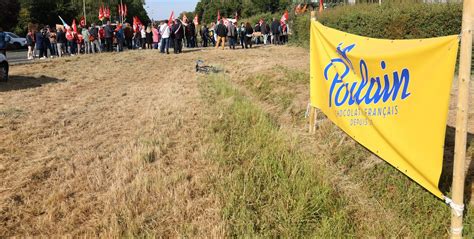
{"x": 30, "y": 42}
{"x": 54, "y": 42}
{"x": 102, "y": 38}
{"x": 87, "y": 43}
{"x": 71, "y": 45}
{"x": 143, "y": 37}
{"x": 149, "y": 37}
{"x": 156, "y": 37}
{"x": 47, "y": 43}
{"x": 248, "y": 35}
{"x": 241, "y": 32}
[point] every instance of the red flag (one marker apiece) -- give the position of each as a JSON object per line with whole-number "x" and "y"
{"x": 196, "y": 20}
{"x": 125, "y": 11}
{"x": 135, "y": 24}
{"x": 321, "y": 6}
{"x": 107, "y": 12}
{"x": 171, "y": 18}
{"x": 101, "y": 13}
{"x": 82, "y": 23}
{"x": 218, "y": 16}
{"x": 74, "y": 26}
{"x": 284, "y": 18}
{"x": 119, "y": 9}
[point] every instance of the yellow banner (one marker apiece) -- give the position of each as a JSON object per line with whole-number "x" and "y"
{"x": 392, "y": 96}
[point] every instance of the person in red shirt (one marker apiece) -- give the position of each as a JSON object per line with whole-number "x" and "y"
{"x": 102, "y": 37}
{"x": 71, "y": 45}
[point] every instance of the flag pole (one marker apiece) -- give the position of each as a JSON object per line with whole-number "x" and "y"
{"x": 84, "y": 8}
{"x": 461, "y": 117}
{"x": 121, "y": 14}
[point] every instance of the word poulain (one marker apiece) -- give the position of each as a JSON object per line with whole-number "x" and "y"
{"x": 369, "y": 90}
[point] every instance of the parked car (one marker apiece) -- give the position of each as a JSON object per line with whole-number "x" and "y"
{"x": 15, "y": 41}
{"x": 3, "y": 68}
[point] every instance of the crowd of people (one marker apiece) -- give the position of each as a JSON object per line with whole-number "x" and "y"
{"x": 161, "y": 36}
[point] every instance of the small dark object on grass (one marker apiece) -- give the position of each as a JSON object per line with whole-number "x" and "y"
{"x": 205, "y": 69}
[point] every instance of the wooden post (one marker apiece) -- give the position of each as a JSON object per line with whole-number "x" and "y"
{"x": 312, "y": 111}
{"x": 462, "y": 115}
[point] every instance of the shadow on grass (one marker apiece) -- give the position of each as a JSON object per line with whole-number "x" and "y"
{"x": 446, "y": 179}
{"x": 26, "y": 82}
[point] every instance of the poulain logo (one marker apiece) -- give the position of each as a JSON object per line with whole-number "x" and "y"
{"x": 369, "y": 89}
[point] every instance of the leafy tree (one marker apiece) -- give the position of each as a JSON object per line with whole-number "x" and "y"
{"x": 46, "y": 12}
{"x": 9, "y": 13}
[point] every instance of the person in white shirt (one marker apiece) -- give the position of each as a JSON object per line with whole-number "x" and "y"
{"x": 143, "y": 39}
{"x": 165, "y": 37}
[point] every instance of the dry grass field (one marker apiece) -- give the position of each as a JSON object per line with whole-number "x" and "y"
{"x": 139, "y": 144}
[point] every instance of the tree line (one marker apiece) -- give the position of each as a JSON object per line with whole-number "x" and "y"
{"x": 207, "y": 9}
{"x": 18, "y": 14}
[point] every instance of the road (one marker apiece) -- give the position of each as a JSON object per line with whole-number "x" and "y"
{"x": 17, "y": 56}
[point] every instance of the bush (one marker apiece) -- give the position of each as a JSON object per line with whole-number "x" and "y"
{"x": 389, "y": 21}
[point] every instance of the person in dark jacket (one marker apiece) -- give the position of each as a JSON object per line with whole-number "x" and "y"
{"x": 232, "y": 34}
{"x": 94, "y": 39}
{"x": 204, "y": 35}
{"x": 40, "y": 43}
{"x": 248, "y": 35}
{"x": 128, "y": 31}
{"x": 178, "y": 33}
{"x": 221, "y": 31}
{"x": 265, "y": 30}
{"x": 275, "y": 28}
{"x": 109, "y": 34}
{"x": 192, "y": 35}
{"x": 241, "y": 32}
{"x": 61, "y": 41}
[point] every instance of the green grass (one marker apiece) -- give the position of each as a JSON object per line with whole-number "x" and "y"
{"x": 420, "y": 213}
{"x": 268, "y": 187}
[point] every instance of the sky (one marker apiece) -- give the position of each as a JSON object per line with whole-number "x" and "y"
{"x": 161, "y": 9}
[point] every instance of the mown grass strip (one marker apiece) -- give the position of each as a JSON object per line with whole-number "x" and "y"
{"x": 424, "y": 214}
{"x": 267, "y": 186}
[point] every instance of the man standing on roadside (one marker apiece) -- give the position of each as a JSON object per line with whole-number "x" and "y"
{"x": 275, "y": 32}
{"x": 109, "y": 34}
{"x": 165, "y": 37}
{"x": 178, "y": 32}
{"x": 232, "y": 34}
{"x": 60, "y": 41}
{"x": 221, "y": 32}
{"x": 94, "y": 39}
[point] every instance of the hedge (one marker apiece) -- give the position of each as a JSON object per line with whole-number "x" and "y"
{"x": 389, "y": 21}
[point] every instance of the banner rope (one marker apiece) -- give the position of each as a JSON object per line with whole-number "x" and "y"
{"x": 458, "y": 208}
